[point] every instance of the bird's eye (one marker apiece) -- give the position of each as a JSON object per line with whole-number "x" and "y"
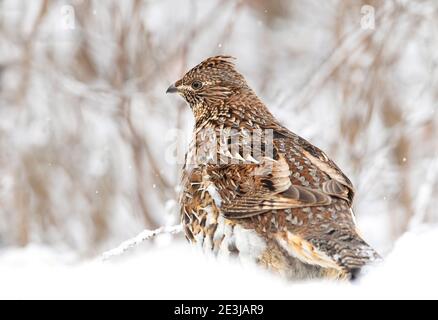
{"x": 196, "y": 85}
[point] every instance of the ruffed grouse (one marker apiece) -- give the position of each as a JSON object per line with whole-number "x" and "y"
{"x": 253, "y": 189}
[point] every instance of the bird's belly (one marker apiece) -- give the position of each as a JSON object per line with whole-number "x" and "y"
{"x": 225, "y": 238}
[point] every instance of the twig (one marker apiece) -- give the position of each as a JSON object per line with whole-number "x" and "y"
{"x": 424, "y": 195}
{"x": 143, "y": 236}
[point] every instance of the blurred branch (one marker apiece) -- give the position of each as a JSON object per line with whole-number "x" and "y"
{"x": 139, "y": 143}
{"x": 346, "y": 47}
{"x": 425, "y": 193}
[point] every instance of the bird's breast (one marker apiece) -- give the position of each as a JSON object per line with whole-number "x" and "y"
{"x": 209, "y": 230}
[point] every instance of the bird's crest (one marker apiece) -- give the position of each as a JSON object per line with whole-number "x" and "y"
{"x": 217, "y": 62}
{"x": 218, "y": 68}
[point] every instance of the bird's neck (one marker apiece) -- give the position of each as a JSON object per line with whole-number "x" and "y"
{"x": 228, "y": 129}
{"x": 242, "y": 109}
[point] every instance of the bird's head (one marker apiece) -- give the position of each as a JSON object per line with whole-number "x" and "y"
{"x": 208, "y": 85}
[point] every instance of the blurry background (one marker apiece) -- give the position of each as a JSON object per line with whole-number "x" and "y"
{"x": 85, "y": 123}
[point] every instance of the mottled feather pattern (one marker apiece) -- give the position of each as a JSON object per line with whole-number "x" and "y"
{"x": 252, "y": 189}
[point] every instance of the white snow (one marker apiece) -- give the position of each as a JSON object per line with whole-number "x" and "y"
{"x": 171, "y": 273}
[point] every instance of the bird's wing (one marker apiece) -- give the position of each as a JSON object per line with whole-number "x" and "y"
{"x": 267, "y": 194}
{"x": 251, "y": 189}
{"x": 339, "y": 186}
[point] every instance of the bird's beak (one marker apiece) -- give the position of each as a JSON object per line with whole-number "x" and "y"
{"x": 172, "y": 89}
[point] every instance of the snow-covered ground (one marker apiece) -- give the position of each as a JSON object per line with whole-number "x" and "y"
{"x": 176, "y": 271}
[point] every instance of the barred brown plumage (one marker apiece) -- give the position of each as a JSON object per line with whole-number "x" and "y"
{"x": 254, "y": 189}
